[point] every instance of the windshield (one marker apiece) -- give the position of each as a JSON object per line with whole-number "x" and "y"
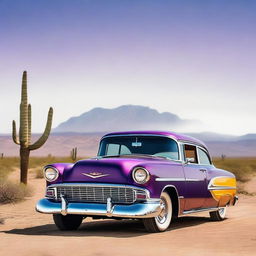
{"x": 142, "y": 145}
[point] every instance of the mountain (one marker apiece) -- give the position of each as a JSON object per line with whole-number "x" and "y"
{"x": 250, "y": 136}
{"x": 127, "y": 117}
{"x": 211, "y": 136}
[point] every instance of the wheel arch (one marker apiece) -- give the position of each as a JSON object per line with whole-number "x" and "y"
{"x": 174, "y": 195}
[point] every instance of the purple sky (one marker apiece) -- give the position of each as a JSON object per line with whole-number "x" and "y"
{"x": 196, "y": 59}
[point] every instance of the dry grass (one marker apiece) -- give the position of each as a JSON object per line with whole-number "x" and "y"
{"x": 7, "y": 165}
{"x": 11, "y": 192}
{"x": 243, "y": 168}
{"x": 39, "y": 173}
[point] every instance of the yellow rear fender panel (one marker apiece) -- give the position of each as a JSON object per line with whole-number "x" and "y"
{"x": 223, "y": 189}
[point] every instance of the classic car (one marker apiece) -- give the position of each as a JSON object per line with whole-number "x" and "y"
{"x": 149, "y": 175}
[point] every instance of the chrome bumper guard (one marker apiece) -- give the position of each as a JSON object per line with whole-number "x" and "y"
{"x": 148, "y": 209}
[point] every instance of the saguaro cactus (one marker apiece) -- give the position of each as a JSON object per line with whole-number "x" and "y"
{"x": 24, "y": 139}
{"x": 73, "y": 154}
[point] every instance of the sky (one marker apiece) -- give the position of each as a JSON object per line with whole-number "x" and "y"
{"x": 193, "y": 58}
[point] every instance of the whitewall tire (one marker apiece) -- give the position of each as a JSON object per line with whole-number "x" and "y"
{"x": 219, "y": 215}
{"x": 163, "y": 220}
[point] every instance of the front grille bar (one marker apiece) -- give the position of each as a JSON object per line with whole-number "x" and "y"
{"x": 95, "y": 193}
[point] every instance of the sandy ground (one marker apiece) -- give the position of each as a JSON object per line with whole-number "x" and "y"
{"x": 26, "y": 232}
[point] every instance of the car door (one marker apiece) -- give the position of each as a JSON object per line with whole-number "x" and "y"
{"x": 195, "y": 176}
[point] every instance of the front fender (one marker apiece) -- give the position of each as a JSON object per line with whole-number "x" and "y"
{"x": 61, "y": 167}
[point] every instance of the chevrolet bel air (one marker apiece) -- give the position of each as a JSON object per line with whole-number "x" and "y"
{"x": 149, "y": 175}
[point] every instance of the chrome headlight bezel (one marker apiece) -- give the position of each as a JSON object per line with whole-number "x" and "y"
{"x": 146, "y": 172}
{"x": 53, "y": 170}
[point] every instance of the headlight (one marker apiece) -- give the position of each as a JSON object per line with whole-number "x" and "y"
{"x": 140, "y": 175}
{"x": 51, "y": 174}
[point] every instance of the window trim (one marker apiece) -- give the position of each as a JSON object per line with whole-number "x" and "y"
{"x": 208, "y": 155}
{"x": 183, "y": 143}
{"x": 145, "y": 135}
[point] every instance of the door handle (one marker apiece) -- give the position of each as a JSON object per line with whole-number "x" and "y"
{"x": 202, "y": 170}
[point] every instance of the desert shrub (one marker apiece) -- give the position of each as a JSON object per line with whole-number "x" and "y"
{"x": 243, "y": 168}
{"x": 11, "y": 192}
{"x": 39, "y": 173}
{"x": 1, "y": 221}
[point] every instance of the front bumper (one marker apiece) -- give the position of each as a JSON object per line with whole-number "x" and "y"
{"x": 148, "y": 209}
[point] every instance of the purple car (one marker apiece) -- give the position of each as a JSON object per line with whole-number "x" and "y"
{"x": 149, "y": 175}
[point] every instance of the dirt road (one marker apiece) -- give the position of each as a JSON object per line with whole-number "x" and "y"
{"x": 26, "y": 232}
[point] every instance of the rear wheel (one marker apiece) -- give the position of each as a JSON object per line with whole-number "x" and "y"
{"x": 161, "y": 222}
{"x": 68, "y": 222}
{"x": 219, "y": 215}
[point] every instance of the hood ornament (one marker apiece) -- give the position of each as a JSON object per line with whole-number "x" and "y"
{"x": 95, "y": 175}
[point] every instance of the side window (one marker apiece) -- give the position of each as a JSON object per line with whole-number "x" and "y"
{"x": 203, "y": 157}
{"x": 117, "y": 149}
{"x": 190, "y": 154}
{"x": 124, "y": 150}
{"x": 112, "y": 149}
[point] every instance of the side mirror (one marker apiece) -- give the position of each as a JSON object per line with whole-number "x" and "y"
{"x": 189, "y": 160}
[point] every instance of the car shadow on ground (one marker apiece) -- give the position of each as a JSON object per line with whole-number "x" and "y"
{"x": 107, "y": 228}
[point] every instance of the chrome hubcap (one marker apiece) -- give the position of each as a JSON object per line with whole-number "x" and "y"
{"x": 222, "y": 211}
{"x": 161, "y": 218}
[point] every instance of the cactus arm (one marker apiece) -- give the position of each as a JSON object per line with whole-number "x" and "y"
{"x": 40, "y": 142}
{"x": 14, "y": 133}
{"x": 29, "y": 124}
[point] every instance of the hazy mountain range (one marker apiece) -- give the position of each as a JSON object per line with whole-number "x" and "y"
{"x": 127, "y": 117}
{"x": 85, "y": 131}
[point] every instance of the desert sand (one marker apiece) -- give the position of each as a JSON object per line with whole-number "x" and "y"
{"x": 26, "y": 232}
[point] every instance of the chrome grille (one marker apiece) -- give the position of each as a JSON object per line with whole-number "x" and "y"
{"x": 97, "y": 194}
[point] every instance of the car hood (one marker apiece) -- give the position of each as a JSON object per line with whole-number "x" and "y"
{"x": 106, "y": 170}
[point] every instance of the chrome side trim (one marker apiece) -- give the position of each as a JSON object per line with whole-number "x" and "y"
{"x": 169, "y": 179}
{"x": 201, "y": 210}
{"x": 221, "y": 188}
{"x": 175, "y": 179}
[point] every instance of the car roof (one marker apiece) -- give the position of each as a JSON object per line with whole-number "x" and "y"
{"x": 176, "y": 136}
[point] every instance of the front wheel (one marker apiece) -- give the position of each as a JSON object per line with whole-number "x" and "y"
{"x": 68, "y": 222}
{"x": 161, "y": 222}
{"x": 219, "y": 215}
